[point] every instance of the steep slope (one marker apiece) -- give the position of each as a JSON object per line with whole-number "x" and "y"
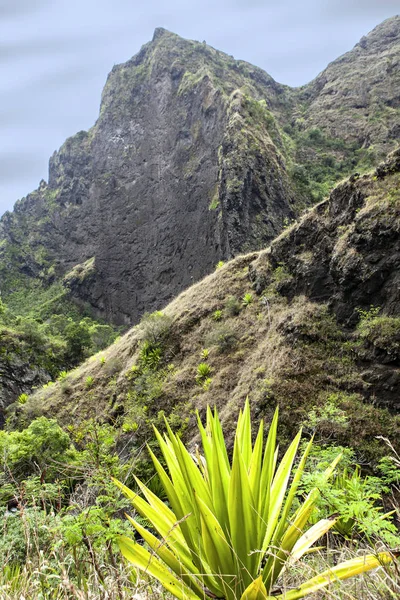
{"x": 195, "y": 158}
{"x": 363, "y": 87}
{"x": 291, "y": 325}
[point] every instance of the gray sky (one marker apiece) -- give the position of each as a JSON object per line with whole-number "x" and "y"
{"x": 55, "y": 56}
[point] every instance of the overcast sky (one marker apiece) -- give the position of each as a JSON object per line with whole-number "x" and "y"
{"x": 55, "y": 56}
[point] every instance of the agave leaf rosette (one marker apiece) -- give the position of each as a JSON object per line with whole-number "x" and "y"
{"x": 230, "y": 527}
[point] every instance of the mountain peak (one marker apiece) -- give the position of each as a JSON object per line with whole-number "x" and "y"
{"x": 160, "y": 32}
{"x": 382, "y": 36}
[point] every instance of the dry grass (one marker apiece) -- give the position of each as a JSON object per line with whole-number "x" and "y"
{"x": 123, "y": 583}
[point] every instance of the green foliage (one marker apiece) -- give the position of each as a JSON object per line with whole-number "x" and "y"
{"x": 230, "y": 528}
{"x": 206, "y": 383}
{"x": 326, "y": 419}
{"x": 22, "y": 398}
{"x": 205, "y": 353}
{"x": 154, "y": 328}
{"x": 217, "y": 315}
{"x": 352, "y": 497}
{"x": 77, "y": 336}
{"x": 247, "y": 299}
{"x": 223, "y": 337}
{"x": 64, "y": 522}
{"x": 281, "y": 274}
{"x": 232, "y": 306}
{"x": 203, "y": 373}
{"x": 317, "y": 161}
{"x": 214, "y": 203}
{"x": 18, "y": 532}
{"x": 89, "y": 382}
{"x": 389, "y": 468}
{"x": 35, "y": 449}
{"x": 150, "y": 355}
{"x": 219, "y": 264}
{"x": 380, "y": 332}
{"x": 50, "y": 336}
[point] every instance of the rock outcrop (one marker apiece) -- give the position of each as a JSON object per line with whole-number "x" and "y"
{"x": 195, "y": 158}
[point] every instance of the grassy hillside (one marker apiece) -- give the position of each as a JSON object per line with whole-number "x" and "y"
{"x": 309, "y": 323}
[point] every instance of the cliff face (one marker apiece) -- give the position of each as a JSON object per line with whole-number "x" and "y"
{"x": 195, "y": 158}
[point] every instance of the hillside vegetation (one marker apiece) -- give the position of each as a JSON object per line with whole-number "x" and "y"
{"x": 292, "y": 325}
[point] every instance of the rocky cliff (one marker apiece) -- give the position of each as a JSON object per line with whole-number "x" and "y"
{"x": 195, "y": 157}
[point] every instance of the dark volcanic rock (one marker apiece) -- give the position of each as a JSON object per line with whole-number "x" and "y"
{"x": 346, "y": 253}
{"x": 165, "y": 185}
{"x": 189, "y": 164}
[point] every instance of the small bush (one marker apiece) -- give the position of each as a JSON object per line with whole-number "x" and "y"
{"x": 247, "y": 299}
{"x": 219, "y": 264}
{"x": 380, "y": 332}
{"x": 232, "y": 306}
{"x": 206, "y": 383}
{"x": 132, "y": 373}
{"x": 22, "y": 398}
{"x": 205, "y": 353}
{"x": 223, "y": 337}
{"x": 154, "y": 328}
{"x": 217, "y": 315}
{"x": 281, "y": 274}
{"x": 354, "y": 500}
{"x": 203, "y": 371}
{"x": 150, "y": 355}
{"x": 112, "y": 366}
{"x": 89, "y": 381}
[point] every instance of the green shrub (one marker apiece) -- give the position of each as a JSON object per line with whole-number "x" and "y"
{"x": 206, "y": 383}
{"x": 232, "y": 306}
{"x": 355, "y": 500}
{"x": 205, "y": 353}
{"x": 35, "y": 449}
{"x": 223, "y": 338}
{"x": 281, "y": 274}
{"x": 89, "y": 381}
{"x": 154, "y": 328}
{"x": 247, "y": 299}
{"x": 380, "y": 332}
{"x": 217, "y": 315}
{"x": 230, "y": 528}
{"x": 17, "y": 534}
{"x": 203, "y": 372}
{"x": 23, "y": 398}
{"x": 150, "y": 355}
{"x": 112, "y": 366}
{"x": 77, "y": 336}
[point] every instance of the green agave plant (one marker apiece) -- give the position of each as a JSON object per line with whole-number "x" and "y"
{"x": 230, "y": 529}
